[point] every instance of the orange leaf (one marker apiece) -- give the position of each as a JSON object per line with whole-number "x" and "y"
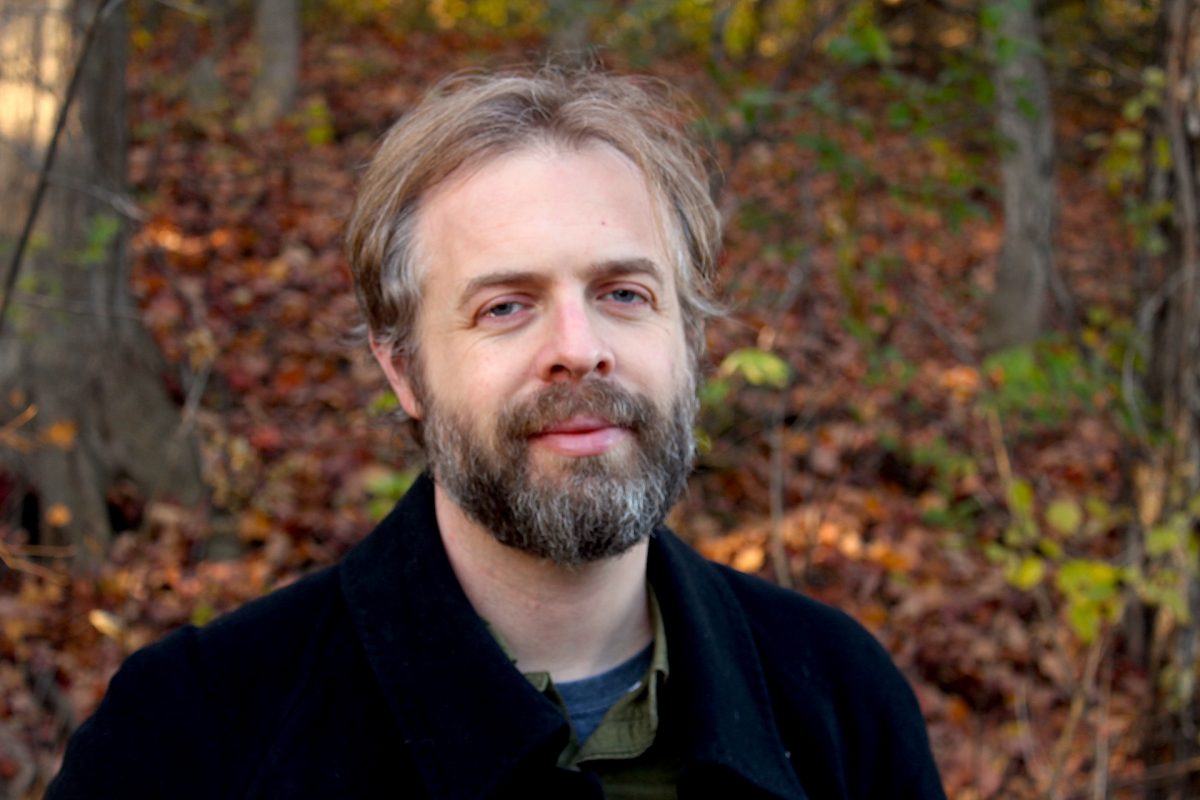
{"x": 61, "y": 434}
{"x": 58, "y": 515}
{"x": 749, "y": 559}
{"x": 254, "y": 526}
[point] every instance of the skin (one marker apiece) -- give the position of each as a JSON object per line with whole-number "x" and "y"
{"x": 542, "y": 266}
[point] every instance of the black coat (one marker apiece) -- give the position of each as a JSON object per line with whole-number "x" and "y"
{"x": 376, "y": 678}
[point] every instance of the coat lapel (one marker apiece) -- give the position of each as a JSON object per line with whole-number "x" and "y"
{"x": 717, "y": 682}
{"x": 468, "y": 716}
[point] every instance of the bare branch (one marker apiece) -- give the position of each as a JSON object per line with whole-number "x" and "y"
{"x": 9, "y": 435}
{"x": 185, "y": 7}
{"x": 47, "y": 303}
{"x": 18, "y": 564}
{"x": 119, "y": 202}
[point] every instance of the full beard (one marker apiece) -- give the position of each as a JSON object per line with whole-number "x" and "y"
{"x": 576, "y": 510}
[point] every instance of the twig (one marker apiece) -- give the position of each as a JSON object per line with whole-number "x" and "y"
{"x": 1078, "y": 705}
{"x": 42, "y": 550}
{"x": 1163, "y": 772}
{"x": 1100, "y": 771}
{"x": 1145, "y": 319}
{"x": 1000, "y": 450}
{"x": 957, "y": 348}
{"x": 18, "y": 564}
{"x": 1036, "y": 765}
{"x": 45, "y": 303}
{"x": 119, "y": 202}
{"x": 60, "y": 125}
{"x": 9, "y": 435}
{"x": 779, "y": 556}
{"x": 186, "y": 8}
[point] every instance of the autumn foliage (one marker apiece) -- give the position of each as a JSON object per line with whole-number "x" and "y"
{"x": 857, "y": 443}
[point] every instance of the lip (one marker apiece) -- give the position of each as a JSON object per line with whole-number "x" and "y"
{"x": 581, "y": 436}
{"x": 581, "y": 424}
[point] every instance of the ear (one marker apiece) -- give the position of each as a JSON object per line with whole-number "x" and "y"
{"x": 396, "y": 368}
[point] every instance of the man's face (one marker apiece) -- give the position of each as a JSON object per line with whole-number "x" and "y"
{"x": 554, "y": 382}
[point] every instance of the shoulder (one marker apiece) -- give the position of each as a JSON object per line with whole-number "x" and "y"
{"x": 788, "y": 623}
{"x": 275, "y": 626}
{"x": 827, "y": 672}
{"x": 835, "y": 693}
{"x": 785, "y": 624}
{"x": 200, "y": 696}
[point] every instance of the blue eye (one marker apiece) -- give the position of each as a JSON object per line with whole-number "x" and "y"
{"x": 506, "y": 309}
{"x": 626, "y": 296}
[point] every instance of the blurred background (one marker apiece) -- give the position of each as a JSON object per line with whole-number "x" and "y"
{"x": 956, "y": 395}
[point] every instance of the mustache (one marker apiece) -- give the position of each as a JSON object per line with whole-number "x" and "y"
{"x": 594, "y": 397}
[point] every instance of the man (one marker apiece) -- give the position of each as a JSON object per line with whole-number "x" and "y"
{"x": 532, "y": 253}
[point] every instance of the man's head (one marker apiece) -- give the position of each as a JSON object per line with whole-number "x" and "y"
{"x": 470, "y": 119}
{"x": 533, "y": 254}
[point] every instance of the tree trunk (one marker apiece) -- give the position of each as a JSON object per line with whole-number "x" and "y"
{"x": 1016, "y": 309}
{"x": 74, "y": 353}
{"x": 1174, "y": 381}
{"x": 570, "y": 30}
{"x": 277, "y": 33}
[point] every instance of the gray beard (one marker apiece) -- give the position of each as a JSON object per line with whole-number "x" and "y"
{"x": 593, "y": 507}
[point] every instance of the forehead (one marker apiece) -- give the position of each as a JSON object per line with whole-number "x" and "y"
{"x": 541, "y": 207}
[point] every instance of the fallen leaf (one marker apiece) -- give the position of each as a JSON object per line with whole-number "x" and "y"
{"x": 61, "y": 434}
{"x": 107, "y": 623}
{"x": 749, "y": 559}
{"x": 58, "y": 516}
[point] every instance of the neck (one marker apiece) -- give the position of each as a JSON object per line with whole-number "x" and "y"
{"x": 572, "y": 622}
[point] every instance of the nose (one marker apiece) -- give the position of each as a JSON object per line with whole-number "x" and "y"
{"x": 575, "y": 347}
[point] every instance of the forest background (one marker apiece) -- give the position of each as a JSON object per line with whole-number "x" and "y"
{"x": 956, "y": 395}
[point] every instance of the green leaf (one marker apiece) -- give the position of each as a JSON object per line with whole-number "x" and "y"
{"x": 1134, "y": 109}
{"x": 1098, "y": 509}
{"x": 991, "y": 17}
{"x": 875, "y": 43}
{"x": 1065, "y": 516}
{"x": 202, "y": 614}
{"x": 995, "y": 552}
{"x": 1050, "y": 549}
{"x": 900, "y": 115}
{"x": 1026, "y": 573}
{"x": 1128, "y": 139}
{"x": 102, "y": 230}
{"x": 758, "y": 367}
{"x": 1087, "y": 579}
{"x": 384, "y": 402}
{"x": 1020, "y": 497}
{"x": 1165, "y": 538}
{"x": 714, "y": 392}
{"x": 1194, "y": 506}
{"x": 1085, "y": 620}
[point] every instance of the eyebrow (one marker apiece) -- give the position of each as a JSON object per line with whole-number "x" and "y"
{"x": 614, "y": 268}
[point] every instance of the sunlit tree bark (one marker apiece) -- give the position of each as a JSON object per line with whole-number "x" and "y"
{"x": 77, "y": 369}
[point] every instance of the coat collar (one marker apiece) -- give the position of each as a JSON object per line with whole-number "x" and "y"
{"x": 472, "y": 720}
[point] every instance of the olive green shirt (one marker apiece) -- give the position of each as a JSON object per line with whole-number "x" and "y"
{"x": 621, "y": 752}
